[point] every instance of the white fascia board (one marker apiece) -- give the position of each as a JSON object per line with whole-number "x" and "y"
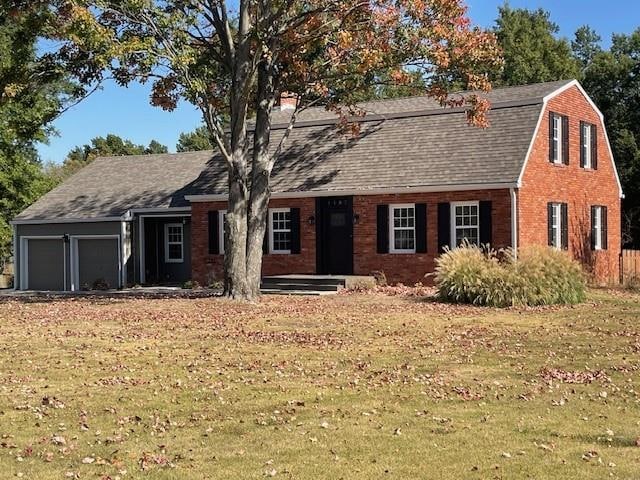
{"x": 373, "y": 191}
{"x": 545, "y": 102}
{"x": 45, "y": 221}
{"x": 133, "y": 211}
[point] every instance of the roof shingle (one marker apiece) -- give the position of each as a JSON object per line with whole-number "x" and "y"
{"x": 433, "y": 148}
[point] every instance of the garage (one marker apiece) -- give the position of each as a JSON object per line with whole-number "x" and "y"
{"x": 44, "y": 264}
{"x": 95, "y": 262}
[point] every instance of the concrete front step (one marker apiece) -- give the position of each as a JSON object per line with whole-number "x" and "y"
{"x": 304, "y": 280}
{"x": 290, "y": 285}
{"x": 312, "y": 284}
{"x": 277, "y": 291}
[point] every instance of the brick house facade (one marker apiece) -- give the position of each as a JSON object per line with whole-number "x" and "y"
{"x": 541, "y": 182}
{"x": 417, "y": 178}
{"x": 578, "y": 187}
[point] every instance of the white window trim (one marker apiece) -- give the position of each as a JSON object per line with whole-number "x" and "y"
{"x": 167, "y": 243}
{"x": 271, "y": 231}
{"x": 598, "y": 228}
{"x": 455, "y": 228}
{"x": 221, "y": 214}
{"x": 557, "y": 137}
{"x": 586, "y": 135}
{"x": 392, "y": 229}
{"x": 557, "y": 226}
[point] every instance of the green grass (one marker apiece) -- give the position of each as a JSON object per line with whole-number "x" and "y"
{"x": 349, "y": 386}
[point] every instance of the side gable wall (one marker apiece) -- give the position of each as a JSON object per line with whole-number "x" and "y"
{"x": 543, "y": 182}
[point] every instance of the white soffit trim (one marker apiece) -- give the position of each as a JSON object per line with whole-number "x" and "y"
{"x": 373, "y": 191}
{"x": 545, "y": 101}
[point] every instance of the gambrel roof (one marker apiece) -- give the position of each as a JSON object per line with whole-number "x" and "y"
{"x": 403, "y": 143}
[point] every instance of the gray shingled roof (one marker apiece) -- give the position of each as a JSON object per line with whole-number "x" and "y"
{"x": 408, "y": 142}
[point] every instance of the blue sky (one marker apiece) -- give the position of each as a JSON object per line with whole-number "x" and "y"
{"x": 126, "y": 111}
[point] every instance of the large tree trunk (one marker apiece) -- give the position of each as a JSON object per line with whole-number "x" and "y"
{"x": 235, "y": 258}
{"x": 260, "y": 176}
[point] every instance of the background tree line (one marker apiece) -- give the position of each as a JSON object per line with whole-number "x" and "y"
{"x": 532, "y": 50}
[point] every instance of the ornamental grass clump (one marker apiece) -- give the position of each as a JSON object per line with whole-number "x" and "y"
{"x": 483, "y": 276}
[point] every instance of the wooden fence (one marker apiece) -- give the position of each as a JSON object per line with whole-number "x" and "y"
{"x": 630, "y": 265}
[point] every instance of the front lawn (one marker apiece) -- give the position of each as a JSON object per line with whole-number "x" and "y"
{"x": 356, "y": 386}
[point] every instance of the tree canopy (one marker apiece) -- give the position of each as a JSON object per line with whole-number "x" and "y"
{"x": 109, "y": 146}
{"x": 531, "y": 48}
{"x": 33, "y": 92}
{"x": 195, "y": 141}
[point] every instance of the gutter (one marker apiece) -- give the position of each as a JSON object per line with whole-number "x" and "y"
{"x": 364, "y": 192}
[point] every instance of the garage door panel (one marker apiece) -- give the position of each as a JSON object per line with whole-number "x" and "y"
{"x": 45, "y": 265}
{"x": 97, "y": 261}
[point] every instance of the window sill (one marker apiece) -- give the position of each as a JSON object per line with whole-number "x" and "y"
{"x": 402, "y": 252}
{"x": 280, "y": 252}
{"x": 166, "y": 260}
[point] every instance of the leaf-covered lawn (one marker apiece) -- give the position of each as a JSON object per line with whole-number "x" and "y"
{"x": 349, "y": 386}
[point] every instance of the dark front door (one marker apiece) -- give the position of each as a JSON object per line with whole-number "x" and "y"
{"x": 334, "y": 235}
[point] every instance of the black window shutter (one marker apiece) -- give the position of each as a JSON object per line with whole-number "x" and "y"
{"x": 565, "y": 140}
{"x": 444, "y": 226}
{"x": 214, "y": 241}
{"x": 550, "y": 224}
{"x": 594, "y": 147}
{"x": 383, "y": 228}
{"x": 265, "y": 241}
{"x": 605, "y": 241}
{"x": 583, "y": 150}
{"x": 295, "y": 230}
{"x": 593, "y": 227}
{"x": 485, "y": 223}
{"x": 552, "y": 144}
{"x": 421, "y": 227}
{"x": 564, "y": 209}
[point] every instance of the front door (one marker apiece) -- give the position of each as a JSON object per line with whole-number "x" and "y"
{"x": 334, "y": 235}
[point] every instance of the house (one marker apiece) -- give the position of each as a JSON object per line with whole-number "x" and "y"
{"x": 416, "y": 179}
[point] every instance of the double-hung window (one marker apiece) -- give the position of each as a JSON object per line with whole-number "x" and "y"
{"x": 174, "y": 243}
{"x": 465, "y": 223}
{"x": 556, "y": 225}
{"x": 558, "y": 138}
{"x": 402, "y": 228}
{"x": 280, "y": 230}
{"x": 588, "y": 146}
{"x": 558, "y": 228}
{"x": 598, "y": 228}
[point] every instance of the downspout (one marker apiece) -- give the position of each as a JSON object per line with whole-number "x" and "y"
{"x": 514, "y": 221}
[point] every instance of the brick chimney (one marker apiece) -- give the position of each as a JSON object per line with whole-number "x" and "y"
{"x": 288, "y": 101}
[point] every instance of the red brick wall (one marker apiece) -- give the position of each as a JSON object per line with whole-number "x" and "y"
{"x": 411, "y": 268}
{"x": 405, "y": 268}
{"x": 207, "y": 268}
{"x": 545, "y": 182}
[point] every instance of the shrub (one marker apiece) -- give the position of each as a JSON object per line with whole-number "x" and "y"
{"x": 482, "y": 276}
{"x": 100, "y": 284}
{"x": 632, "y": 283}
{"x": 191, "y": 285}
